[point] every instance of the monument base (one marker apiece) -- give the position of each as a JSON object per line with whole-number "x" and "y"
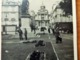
{"x": 25, "y": 23}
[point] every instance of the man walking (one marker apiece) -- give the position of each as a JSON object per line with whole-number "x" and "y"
{"x": 57, "y": 34}
{"x": 53, "y": 31}
{"x": 20, "y": 34}
{"x": 25, "y": 33}
{"x": 49, "y": 30}
{"x": 58, "y": 38}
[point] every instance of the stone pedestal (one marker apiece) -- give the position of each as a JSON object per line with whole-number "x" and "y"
{"x": 25, "y": 23}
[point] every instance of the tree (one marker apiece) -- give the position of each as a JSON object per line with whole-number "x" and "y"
{"x": 66, "y": 6}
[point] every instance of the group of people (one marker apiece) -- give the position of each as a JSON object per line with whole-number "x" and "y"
{"x": 21, "y": 34}
{"x": 55, "y": 33}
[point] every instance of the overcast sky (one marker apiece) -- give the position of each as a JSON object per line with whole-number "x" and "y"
{"x": 35, "y": 4}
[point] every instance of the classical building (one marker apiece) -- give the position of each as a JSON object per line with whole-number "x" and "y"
{"x": 58, "y": 15}
{"x": 10, "y": 17}
{"x": 42, "y": 17}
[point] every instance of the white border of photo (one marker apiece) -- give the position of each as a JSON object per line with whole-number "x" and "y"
{"x": 74, "y": 29}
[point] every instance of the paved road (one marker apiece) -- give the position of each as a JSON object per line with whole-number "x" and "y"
{"x": 63, "y": 51}
{"x": 15, "y": 50}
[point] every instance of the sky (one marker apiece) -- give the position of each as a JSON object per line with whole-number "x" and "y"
{"x": 34, "y": 5}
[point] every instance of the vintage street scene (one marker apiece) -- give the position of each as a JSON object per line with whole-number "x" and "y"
{"x": 37, "y": 30}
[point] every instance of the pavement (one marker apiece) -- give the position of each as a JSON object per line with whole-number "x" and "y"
{"x": 63, "y": 51}
{"x": 19, "y": 51}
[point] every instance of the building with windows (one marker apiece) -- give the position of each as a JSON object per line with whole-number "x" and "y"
{"x": 59, "y": 15}
{"x": 61, "y": 21}
{"x": 42, "y": 18}
{"x": 10, "y": 17}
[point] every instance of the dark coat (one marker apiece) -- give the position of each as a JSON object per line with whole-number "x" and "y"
{"x": 25, "y": 33}
{"x": 49, "y": 30}
{"x": 53, "y": 31}
{"x": 20, "y": 32}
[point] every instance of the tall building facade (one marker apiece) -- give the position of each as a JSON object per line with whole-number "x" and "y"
{"x": 61, "y": 21}
{"x": 10, "y": 17}
{"x": 58, "y": 15}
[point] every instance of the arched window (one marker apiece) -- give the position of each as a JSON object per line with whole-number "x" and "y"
{"x": 13, "y": 19}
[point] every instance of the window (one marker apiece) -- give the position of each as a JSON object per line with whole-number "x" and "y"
{"x": 39, "y": 23}
{"x": 42, "y": 18}
{"x": 6, "y": 19}
{"x": 45, "y": 23}
{"x": 4, "y": 28}
{"x": 13, "y": 19}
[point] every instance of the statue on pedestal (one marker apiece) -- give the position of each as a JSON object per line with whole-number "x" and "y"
{"x": 25, "y": 16}
{"x": 25, "y": 7}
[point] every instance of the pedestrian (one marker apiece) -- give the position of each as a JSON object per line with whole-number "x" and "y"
{"x": 53, "y": 31}
{"x": 58, "y": 38}
{"x": 25, "y": 33}
{"x": 49, "y": 30}
{"x": 33, "y": 55}
{"x": 20, "y": 34}
{"x": 38, "y": 56}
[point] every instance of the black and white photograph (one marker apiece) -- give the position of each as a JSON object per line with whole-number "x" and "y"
{"x": 38, "y": 30}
